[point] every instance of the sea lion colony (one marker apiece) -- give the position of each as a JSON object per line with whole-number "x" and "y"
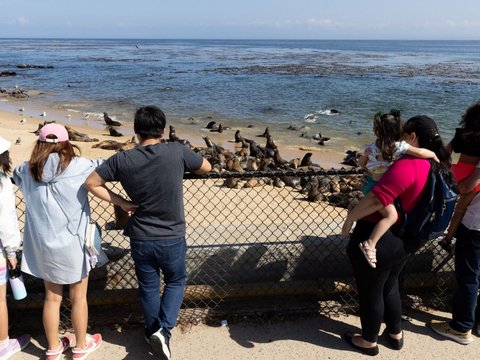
{"x": 342, "y": 191}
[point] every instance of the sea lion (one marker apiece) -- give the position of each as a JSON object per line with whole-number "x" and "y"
{"x": 219, "y": 129}
{"x": 172, "y": 137}
{"x": 238, "y": 137}
{"x": 109, "y": 121}
{"x": 306, "y": 160}
{"x": 115, "y": 145}
{"x": 256, "y": 150}
{"x": 74, "y": 135}
{"x": 214, "y": 147}
{"x": 265, "y": 133}
{"x": 351, "y": 158}
{"x": 278, "y": 159}
{"x": 113, "y": 132}
{"x": 270, "y": 144}
{"x": 211, "y": 125}
{"x": 171, "y": 134}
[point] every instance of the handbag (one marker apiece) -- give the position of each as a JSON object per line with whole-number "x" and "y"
{"x": 93, "y": 243}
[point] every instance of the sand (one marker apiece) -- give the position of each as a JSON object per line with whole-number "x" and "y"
{"x": 12, "y": 127}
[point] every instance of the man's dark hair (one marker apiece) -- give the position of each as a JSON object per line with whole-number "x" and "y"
{"x": 149, "y": 122}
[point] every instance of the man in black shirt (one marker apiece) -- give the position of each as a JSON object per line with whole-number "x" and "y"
{"x": 152, "y": 176}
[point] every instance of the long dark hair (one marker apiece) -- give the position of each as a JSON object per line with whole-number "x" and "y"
{"x": 429, "y": 138}
{"x": 66, "y": 151}
{"x": 471, "y": 122}
{"x": 5, "y": 162}
{"x": 388, "y": 130}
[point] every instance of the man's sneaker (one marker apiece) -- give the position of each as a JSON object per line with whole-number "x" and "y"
{"x": 478, "y": 329}
{"x": 443, "y": 328}
{"x": 93, "y": 343}
{"x": 160, "y": 343}
{"x": 14, "y": 346}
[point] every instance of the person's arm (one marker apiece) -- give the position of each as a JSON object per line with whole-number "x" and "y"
{"x": 368, "y": 205}
{"x": 422, "y": 153}
{"x": 470, "y": 182}
{"x": 204, "y": 168}
{"x": 96, "y": 185}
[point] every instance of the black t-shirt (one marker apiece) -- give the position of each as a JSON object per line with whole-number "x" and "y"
{"x": 465, "y": 142}
{"x": 152, "y": 176}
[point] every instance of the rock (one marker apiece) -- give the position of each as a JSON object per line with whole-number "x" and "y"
{"x": 28, "y": 66}
{"x": 7, "y": 73}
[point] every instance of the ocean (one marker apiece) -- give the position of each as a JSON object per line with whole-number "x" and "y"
{"x": 280, "y": 84}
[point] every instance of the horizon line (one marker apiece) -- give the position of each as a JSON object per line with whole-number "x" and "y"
{"x": 228, "y": 39}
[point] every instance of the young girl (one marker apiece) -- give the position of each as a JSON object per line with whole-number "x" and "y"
{"x": 57, "y": 214}
{"x": 465, "y": 142}
{"x": 376, "y": 159}
{"x": 10, "y": 241}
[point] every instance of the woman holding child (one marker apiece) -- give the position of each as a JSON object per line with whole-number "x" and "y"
{"x": 378, "y": 287}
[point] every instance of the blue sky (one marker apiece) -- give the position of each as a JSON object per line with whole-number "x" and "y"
{"x": 242, "y": 19}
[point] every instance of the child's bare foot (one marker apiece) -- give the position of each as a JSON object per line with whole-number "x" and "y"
{"x": 369, "y": 253}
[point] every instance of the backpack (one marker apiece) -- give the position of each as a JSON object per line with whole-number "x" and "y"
{"x": 430, "y": 216}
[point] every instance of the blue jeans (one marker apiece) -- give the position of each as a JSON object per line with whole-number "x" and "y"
{"x": 151, "y": 257}
{"x": 467, "y": 272}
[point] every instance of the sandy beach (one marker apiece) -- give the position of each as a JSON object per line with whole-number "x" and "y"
{"x": 21, "y": 124}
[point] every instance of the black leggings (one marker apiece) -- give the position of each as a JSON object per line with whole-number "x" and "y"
{"x": 378, "y": 288}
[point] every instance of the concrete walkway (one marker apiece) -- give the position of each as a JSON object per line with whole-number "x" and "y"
{"x": 314, "y": 337}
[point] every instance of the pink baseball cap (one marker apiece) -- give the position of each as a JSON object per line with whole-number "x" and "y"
{"x": 53, "y": 129}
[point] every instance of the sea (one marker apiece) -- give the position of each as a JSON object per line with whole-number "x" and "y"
{"x": 297, "y": 88}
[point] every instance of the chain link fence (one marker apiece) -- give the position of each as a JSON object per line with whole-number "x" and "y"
{"x": 258, "y": 237}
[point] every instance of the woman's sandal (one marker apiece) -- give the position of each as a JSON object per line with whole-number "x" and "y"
{"x": 57, "y": 354}
{"x": 369, "y": 253}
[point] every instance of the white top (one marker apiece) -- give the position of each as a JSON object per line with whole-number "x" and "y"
{"x": 471, "y": 219}
{"x": 373, "y": 153}
{"x": 9, "y": 232}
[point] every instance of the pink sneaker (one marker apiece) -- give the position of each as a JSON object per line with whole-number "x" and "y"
{"x": 93, "y": 343}
{"x": 57, "y": 354}
{"x": 14, "y": 346}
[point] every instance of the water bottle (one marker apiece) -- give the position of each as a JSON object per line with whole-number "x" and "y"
{"x": 17, "y": 285}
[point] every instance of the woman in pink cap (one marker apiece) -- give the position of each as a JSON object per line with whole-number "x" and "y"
{"x": 57, "y": 215}
{"x": 10, "y": 241}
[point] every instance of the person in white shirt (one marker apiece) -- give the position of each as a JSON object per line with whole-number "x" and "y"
{"x": 10, "y": 241}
